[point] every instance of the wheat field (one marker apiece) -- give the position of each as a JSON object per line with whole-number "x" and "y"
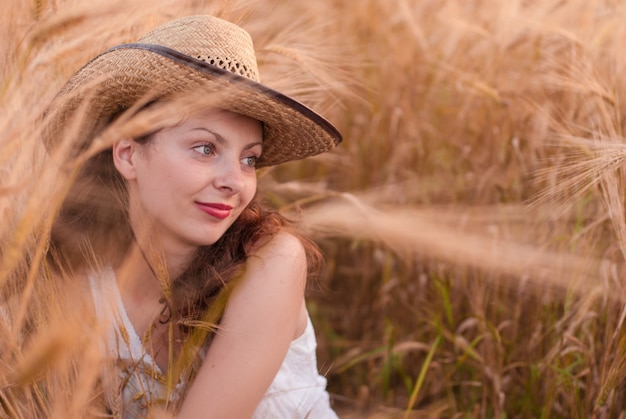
{"x": 473, "y": 219}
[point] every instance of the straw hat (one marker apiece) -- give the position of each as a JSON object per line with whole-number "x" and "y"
{"x": 191, "y": 54}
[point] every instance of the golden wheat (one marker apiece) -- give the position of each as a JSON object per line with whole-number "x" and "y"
{"x": 474, "y": 212}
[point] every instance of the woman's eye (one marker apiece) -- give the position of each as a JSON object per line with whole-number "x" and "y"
{"x": 206, "y": 149}
{"x": 249, "y": 161}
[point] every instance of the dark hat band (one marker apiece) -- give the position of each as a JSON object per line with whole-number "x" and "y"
{"x": 216, "y": 71}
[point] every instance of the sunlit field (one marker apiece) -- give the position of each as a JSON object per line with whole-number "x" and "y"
{"x": 472, "y": 220}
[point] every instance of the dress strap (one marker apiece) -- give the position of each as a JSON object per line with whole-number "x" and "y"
{"x": 123, "y": 340}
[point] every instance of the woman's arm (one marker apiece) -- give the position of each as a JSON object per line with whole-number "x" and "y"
{"x": 262, "y": 317}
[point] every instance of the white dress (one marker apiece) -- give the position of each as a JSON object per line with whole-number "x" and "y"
{"x": 297, "y": 391}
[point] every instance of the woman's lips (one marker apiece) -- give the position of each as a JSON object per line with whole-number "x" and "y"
{"x": 220, "y": 211}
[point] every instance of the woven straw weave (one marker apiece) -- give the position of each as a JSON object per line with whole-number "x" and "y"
{"x": 199, "y": 55}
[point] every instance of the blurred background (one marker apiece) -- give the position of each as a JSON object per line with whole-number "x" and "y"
{"x": 473, "y": 217}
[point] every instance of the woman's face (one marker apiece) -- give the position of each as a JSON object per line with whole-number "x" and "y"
{"x": 192, "y": 181}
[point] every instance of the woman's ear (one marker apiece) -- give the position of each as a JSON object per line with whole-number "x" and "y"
{"x": 124, "y": 155}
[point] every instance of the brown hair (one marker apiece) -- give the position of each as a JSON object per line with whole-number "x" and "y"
{"x": 93, "y": 229}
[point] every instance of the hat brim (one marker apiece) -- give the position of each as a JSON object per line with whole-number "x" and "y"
{"x": 129, "y": 73}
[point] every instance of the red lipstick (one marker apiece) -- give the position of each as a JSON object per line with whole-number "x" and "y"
{"x": 220, "y": 211}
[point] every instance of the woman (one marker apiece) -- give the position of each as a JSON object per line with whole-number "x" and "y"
{"x": 200, "y": 288}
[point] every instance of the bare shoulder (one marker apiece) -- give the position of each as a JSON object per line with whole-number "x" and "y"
{"x": 282, "y": 256}
{"x": 281, "y": 245}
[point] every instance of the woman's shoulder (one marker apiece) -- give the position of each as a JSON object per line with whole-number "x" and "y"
{"x": 279, "y": 264}
{"x": 282, "y": 245}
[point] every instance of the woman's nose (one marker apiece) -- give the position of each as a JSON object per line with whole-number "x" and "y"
{"x": 229, "y": 176}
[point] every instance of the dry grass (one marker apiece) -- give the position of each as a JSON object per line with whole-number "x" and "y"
{"x": 473, "y": 219}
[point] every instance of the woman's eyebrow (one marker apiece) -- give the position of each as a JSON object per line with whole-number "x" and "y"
{"x": 253, "y": 144}
{"x": 222, "y": 141}
{"x": 217, "y": 136}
